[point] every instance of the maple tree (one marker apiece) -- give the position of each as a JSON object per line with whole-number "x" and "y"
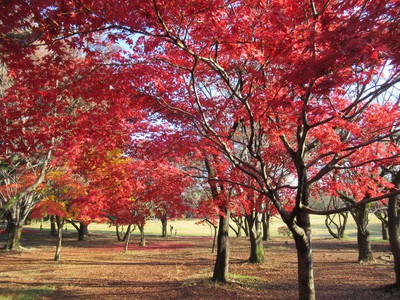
{"x": 301, "y": 77}
{"x": 59, "y": 193}
{"x": 20, "y": 178}
{"x": 51, "y": 112}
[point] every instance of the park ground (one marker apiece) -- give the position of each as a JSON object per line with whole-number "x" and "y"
{"x": 179, "y": 267}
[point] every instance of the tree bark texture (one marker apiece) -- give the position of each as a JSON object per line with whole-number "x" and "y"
{"x": 301, "y": 230}
{"x": 164, "y": 223}
{"x": 266, "y": 221}
{"x": 394, "y": 229}
{"x": 221, "y": 267}
{"x": 338, "y": 222}
{"x": 118, "y": 233}
{"x": 14, "y": 236}
{"x": 127, "y": 238}
{"x": 142, "y": 237}
{"x": 385, "y": 234}
{"x": 17, "y": 215}
{"x": 60, "y": 224}
{"x": 360, "y": 215}
{"x": 83, "y": 231}
{"x": 256, "y": 246}
{"x": 53, "y": 227}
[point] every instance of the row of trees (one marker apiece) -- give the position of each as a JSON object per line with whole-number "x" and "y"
{"x": 281, "y": 101}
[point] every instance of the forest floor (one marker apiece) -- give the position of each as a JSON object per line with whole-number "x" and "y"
{"x": 180, "y": 268}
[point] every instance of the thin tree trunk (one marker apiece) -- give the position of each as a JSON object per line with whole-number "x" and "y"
{"x": 342, "y": 229}
{"x": 301, "y": 230}
{"x": 246, "y": 228}
{"x": 384, "y": 229}
{"x": 221, "y": 267}
{"x": 142, "y": 237}
{"x": 213, "y": 233}
{"x": 164, "y": 222}
{"x": 266, "y": 220}
{"x": 214, "y": 239}
{"x": 127, "y": 237}
{"x": 118, "y": 233}
{"x": 128, "y": 232}
{"x": 60, "y": 224}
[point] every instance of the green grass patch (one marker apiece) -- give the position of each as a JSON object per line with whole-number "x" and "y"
{"x": 26, "y": 293}
{"x": 243, "y": 277}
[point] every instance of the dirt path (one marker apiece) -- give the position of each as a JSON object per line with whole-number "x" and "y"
{"x": 180, "y": 268}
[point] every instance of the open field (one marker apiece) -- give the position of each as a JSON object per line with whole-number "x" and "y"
{"x": 179, "y": 267}
{"x": 190, "y": 227}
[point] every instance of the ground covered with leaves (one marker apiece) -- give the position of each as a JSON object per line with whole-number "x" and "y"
{"x": 180, "y": 268}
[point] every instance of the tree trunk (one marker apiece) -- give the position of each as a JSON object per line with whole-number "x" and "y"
{"x": 246, "y": 228}
{"x": 256, "y": 246}
{"x": 221, "y": 267}
{"x": 339, "y": 225}
{"x": 301, "y": 230}
{"x": 118, "y": 233}
{"x": 360, "y": 215}
{"x": 128, "y": 232}
{"x": 342, "y": 229}
{"x": 142, "y": 237}
{"x": 60, "y": 224}
{"x": 14, "y": 236}
{"x": 394, "y": 230}
{"x": 53, "y": 227}
{"x": 266, "y": 220}
{"x": 164, "y": 222}
{"x": 213, "y": 233}
{"x": 364, "y": 246}
{"x": 385, "y": 235}
{"x": 83, "y": 231}
{"x": 127, "y": 237}
{"x": 214, "y": 239}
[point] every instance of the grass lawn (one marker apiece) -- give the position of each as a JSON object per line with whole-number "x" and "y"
{"x": 191, "y": 227}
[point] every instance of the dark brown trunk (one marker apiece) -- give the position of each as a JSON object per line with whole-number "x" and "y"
{"x": 118, "y": 233}
{"x": 342, "y": 229}
{"x": 53, "y": 227}
{"x": 301, "y": 230}
{"x": 83, "y": 231}
{"x": 246, "y": 228}
{"x": 394, "y": 230}
{"x": 214, "y": 239}
{"x": 385, "y": 235}
{"x": 60, "y": 224}
{"x": 164, "y": 222}
{"x": 266, "y": 220}
{"x": 221, "y": 267}
{"x": 128, "y": 232}
{"x": 336, "y": 224}
{"x": 213, "y": 233}
{"x": 360, "y": 215}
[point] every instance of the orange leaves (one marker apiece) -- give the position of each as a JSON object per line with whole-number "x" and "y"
{"x": 50, "y": 206}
